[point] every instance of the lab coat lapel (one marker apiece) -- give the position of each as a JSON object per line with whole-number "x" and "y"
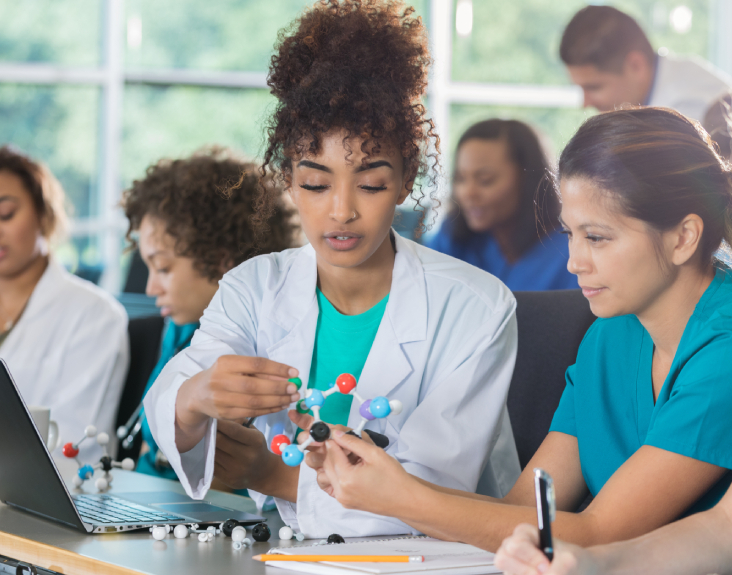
{"x": 404, "y": 321}
{"x": 294, "y": 308}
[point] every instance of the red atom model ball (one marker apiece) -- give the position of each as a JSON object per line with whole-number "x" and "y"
{"x": 346, "y": 383}
{"x": 69, "y": 450}
{"x": 278, "y": 442}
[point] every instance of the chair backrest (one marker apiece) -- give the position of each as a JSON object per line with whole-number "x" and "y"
{"x": 551, "y": 325}
{"x": 145, "y": 335}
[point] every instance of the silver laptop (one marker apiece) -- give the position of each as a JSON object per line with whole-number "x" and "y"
{"x": 29, "y": 480}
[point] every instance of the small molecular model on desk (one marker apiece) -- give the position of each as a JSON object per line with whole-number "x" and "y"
{"x": 106, "y": 464}
{"x": 345, "y": 383}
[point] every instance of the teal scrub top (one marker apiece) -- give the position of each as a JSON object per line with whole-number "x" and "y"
{"x": 342, "y": 345}
{"x": 608, "y": 401}
{"x": 175, "y": 338}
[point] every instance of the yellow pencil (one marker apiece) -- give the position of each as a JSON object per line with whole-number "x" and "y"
{"x": 343, "y": 558}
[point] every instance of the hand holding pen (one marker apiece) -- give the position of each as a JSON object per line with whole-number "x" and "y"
{"x": 546, "y": 510}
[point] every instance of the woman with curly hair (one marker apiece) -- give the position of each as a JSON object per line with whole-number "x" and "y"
{"x": 351, "y": 141}
{"x": 188, "y": 218}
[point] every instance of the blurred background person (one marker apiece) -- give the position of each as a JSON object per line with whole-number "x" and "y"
{"x": 608, "y": 55}
{"x": 63, "y": 338}
{"x": 504, "y": 220}
{"x": 190, "y": 220}
{"x": 717, "y": 124}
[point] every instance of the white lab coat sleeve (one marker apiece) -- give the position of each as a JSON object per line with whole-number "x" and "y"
{"x": 228, "y": 327}
{"x": 448, "y": 437}
{"x": 451, "y": 434}
{"x": 91, "y": 375}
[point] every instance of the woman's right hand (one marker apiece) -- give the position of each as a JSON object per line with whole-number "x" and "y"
{"x": 316, "y": 455}
{"x": 233, "y": 388}
{"x": 519, "y": 554}
{"x": 362, "y": 476}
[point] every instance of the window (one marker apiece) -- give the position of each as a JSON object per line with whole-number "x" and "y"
{"x": 100, "y": 89}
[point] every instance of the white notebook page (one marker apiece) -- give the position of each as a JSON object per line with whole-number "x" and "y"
{"x": 440, "y": 557}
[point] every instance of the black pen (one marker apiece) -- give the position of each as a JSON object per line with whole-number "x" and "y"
{"x": 546, "y": 510}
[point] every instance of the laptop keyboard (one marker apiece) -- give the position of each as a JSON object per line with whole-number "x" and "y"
{"x": 110, "y": 509}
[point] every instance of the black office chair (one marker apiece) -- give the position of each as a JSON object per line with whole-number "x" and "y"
{"x": 145, "y": 335}
{"x": 551, "y": 325}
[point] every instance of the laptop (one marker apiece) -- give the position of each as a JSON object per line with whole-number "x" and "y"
{"x": 30, "y": 480}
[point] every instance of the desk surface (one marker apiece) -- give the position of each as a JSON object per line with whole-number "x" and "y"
{"x": 45, "y": 543}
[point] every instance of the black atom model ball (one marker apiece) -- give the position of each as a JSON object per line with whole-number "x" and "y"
{"x": 261, "y": 532}
{"x": 320, "y": 431}
{"x": 228, "y": 526}
{"x": 335, "y": 538}
{"x": 106, "y": 462}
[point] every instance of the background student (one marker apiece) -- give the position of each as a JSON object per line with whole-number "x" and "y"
{"x": 717, "y": 124}
{"x": 608, "y": 55}
{"x": 643, "y": 424}
{"x": 410, "y": 323}
{"x": 505, "y": 217}
{"x": 696, "y": 545}
{"x": 189, "y": 219}
{"x": 63, "y": 338}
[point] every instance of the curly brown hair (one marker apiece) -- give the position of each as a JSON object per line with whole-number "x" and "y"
{"x": 360, "y": 66}
{"x": 205, "y": 203}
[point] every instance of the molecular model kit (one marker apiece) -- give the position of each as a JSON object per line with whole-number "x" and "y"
{"x": 345, "y": 383}
{"x": 106, "y": 464}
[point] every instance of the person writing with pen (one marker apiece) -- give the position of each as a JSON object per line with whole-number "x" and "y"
{"x": 643, "y": 424}
{"x": 188, "y": 219}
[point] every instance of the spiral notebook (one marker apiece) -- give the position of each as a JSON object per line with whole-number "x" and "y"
{"x": 440, "y": 557}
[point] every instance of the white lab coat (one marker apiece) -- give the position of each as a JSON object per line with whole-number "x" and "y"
{"x": 689, "y": 85}
{"x": 445, "y": 348}
{"x": 70, "y": 352}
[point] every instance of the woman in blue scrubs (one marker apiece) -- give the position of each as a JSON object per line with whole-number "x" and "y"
{"x": 505, "y": 216}
{"x": 644, "y": 423}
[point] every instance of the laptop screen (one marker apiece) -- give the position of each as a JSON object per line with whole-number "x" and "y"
{"x": 28, "y": 476}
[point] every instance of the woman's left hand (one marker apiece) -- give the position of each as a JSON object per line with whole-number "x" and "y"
{"x": 362, "y": 476}
{"x": 243, "y": 460}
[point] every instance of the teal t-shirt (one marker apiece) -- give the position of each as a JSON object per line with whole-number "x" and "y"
{"x": 175, "y": 338}
{"x": 608, "y": 402}
{"x": 342, "y": 344}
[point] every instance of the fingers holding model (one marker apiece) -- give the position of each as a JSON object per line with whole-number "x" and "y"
{"x": 233, "y": 388}
{"x": 362, "y": 476}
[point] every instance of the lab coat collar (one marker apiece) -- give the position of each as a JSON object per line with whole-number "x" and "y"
{"x": 404, "y": 321}
{"x": 406, "y": 309}
{"x": 295, "y": 294}
{"x": 407, "y": 306}
{"x": 47, "y": 289}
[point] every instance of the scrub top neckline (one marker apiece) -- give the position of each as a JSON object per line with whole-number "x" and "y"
{"x": 350, "y": 323}
{"x": 646, "y": 402}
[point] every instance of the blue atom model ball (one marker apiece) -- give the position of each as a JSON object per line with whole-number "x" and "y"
{"x": 85, "y": 471}
{"x": 292, "y": 456}
{"x": 380, "y": 407}
{"x": 315, "y": 398}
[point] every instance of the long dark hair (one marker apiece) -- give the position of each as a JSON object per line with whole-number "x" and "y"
{"x": 659, "y": 166}
{"x": 537, "y": 202}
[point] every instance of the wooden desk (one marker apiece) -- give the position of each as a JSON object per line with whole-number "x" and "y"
{"x": 53, "y": 546}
